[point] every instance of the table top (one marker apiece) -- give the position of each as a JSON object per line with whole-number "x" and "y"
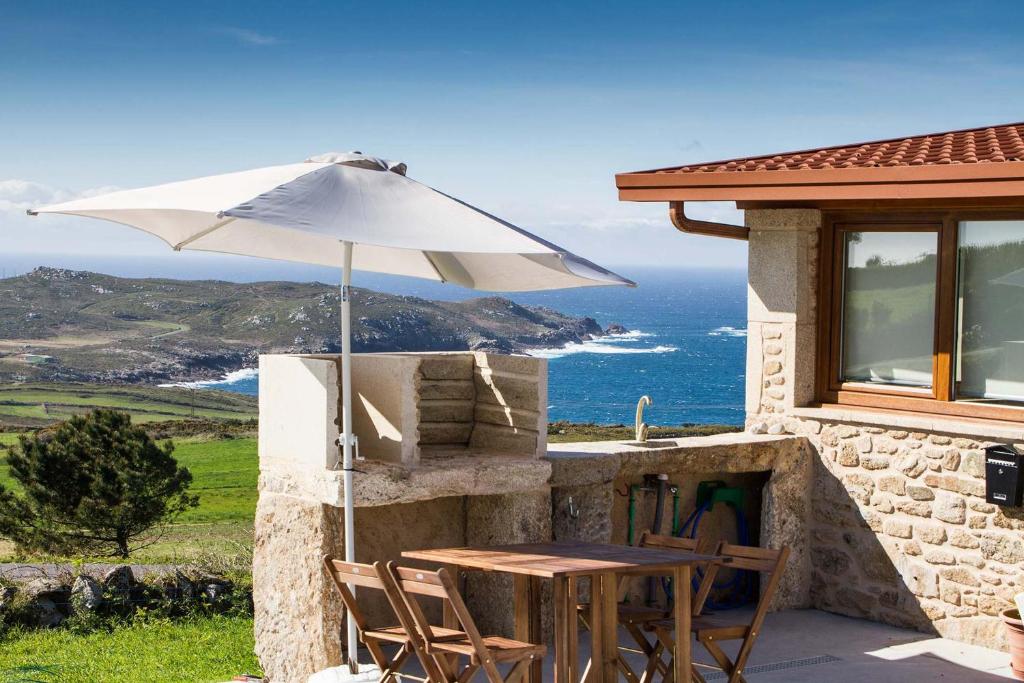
{"x": 551, "y": 560}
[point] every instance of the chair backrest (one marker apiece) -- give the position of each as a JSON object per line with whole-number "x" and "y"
{"x": 699, "y": 546}
{"x": 355, "y": 574}
{"x": 768, "y": 561}
{"x": 431, "y": 584}
{"x": 663, "y": 542}
{"x": 439, "y": 584}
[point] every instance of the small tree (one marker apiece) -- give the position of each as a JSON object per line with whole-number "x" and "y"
{"x": 96, "y": 484}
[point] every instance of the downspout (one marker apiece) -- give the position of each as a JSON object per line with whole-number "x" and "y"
{"x": 677, "y": 213}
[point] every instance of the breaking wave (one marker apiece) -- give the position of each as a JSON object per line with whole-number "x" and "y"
{"x": 727, "y": 331}
{"x": 233, "y": 377}
{"x": 608, "y": 344}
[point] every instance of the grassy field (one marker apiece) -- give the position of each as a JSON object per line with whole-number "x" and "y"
{"x": 202, "y": 650}
{"x": 33, "y": 405}
{"x": 224, "y": 474}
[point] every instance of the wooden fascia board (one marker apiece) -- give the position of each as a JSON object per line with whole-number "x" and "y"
{"x": 1012, "y": 170}
{"x": 822, "y": 192}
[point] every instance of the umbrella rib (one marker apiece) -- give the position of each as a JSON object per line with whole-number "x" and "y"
{"x": 202, "y": 233}
{"x": 430, "y": 260}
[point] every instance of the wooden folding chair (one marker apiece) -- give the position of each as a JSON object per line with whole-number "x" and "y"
{"x": 635, "y": 618}
{"x": 481, "y": 652}
{"x": 710, "y": 630}
{"x": 403, "y": 635}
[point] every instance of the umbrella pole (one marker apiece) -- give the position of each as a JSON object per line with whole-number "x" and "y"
{"x": 346, "y": 438}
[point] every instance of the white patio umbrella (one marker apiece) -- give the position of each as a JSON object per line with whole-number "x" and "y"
{"x": 350, "y": 211}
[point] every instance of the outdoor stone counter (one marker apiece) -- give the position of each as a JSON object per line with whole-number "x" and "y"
{"x": 588, "y": 472}
{"x": 376, "y": 484}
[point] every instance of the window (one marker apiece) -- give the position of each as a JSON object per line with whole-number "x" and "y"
{"x": 990, "y": 311}
{"x": 924, "y": 312}
{"x": 889, "y": 307}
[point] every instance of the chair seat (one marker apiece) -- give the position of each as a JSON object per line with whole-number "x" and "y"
{"x": 397, "y": 634}
{"x": 501, "y": 648}
{"x": 632, "y": 614}
{"x": 717, "y": 626}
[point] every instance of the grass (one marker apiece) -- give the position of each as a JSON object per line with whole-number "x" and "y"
{"x": 201, "y": 649}
{"x": 32, "y": 405}
{"x": 224, "y": 476}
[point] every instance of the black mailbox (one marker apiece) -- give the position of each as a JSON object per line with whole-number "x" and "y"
{"x": 1003, "y": 475}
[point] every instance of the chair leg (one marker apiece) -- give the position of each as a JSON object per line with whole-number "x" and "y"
{"x": 723, "y": 661}
{"x": 741, "y": 659}
{"x": 518, "y": 671}
{"x": 626, "y": 670}
{"x": 468, "y": 672}
{"x": 654, "y": 664}
{"x": 390, "y": 672}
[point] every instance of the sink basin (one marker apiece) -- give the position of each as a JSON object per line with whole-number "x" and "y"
{"x": 651, "y": 444}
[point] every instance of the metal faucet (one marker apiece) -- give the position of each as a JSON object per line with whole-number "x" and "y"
{"x": 641, "y": 426}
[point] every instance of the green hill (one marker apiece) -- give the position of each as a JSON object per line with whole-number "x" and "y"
{"x": 66, "y": 325}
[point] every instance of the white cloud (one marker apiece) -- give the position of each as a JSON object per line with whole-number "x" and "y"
{"x": 247, "y": 36}
{"x": 55, "y": 233}
{"x": 627, "y": 217}
{"x": 17, "y": 196}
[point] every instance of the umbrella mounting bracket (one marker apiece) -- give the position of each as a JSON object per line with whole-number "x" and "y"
{"x": 354, "y": 440}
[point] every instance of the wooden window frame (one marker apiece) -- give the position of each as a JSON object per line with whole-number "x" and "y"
{"x": 940, "y": 399}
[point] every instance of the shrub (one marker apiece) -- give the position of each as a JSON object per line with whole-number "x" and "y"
{"x": 96, "y": 484}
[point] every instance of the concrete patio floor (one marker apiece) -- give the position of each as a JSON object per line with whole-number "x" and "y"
{"x": 809, "y": 646}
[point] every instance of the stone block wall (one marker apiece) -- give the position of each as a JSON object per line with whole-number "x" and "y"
{"x": 901, "y": 531}
{"x": 413, "y": 404}
{"x": 408, "y": 494}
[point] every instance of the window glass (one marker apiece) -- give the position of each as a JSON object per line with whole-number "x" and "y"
{"x": 889, "y": 284}
{"x": 990, "y": 316}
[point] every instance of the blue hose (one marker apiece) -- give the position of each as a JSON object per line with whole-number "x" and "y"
{"x": 741, "y": 584}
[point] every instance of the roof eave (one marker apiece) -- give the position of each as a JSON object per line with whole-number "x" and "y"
{"x": 904, "y": 182}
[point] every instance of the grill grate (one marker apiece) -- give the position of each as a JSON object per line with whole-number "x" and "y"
{"x": 775, "y": 666}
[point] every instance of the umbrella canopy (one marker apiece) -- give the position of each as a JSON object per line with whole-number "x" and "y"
{"x": 304, "y": 212}
{"x": 354, "y": 212}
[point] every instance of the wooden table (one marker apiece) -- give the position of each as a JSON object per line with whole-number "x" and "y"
{"x": 565, "y": 564}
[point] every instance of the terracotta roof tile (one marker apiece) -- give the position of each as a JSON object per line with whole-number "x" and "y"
{"x": 974, "y": 146}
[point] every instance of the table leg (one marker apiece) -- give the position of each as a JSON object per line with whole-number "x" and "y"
{"x": 448, "y": 616}
{"x": 561, "y": 589}
{"x": 595, "y": 671}
{"x": 609, "y": 626}
{"x": 526, "y": 611}
{"x": 683, "y": 655}
{"x": 536, "y": 635}
{"x": 573, "y": 635}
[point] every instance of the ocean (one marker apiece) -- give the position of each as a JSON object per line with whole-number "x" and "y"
{"x": 685, "y": 349}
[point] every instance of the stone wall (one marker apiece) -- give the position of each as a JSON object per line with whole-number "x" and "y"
{"x": 591, "y": 472}
{"x": 901, "y": 531}
{"x": 479, "y": 480}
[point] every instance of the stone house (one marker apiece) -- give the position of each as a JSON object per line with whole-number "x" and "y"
{"x": 886, "y": 327}
{"x": 885, "y": 351}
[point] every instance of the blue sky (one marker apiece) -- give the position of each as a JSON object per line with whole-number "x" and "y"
{"x": 525, "y": 109}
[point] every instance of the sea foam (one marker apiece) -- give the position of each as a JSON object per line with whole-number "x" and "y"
{"x": 608, "y": 344}
{"x": 727, "y": 331}
{"x": 230, "y": 378}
